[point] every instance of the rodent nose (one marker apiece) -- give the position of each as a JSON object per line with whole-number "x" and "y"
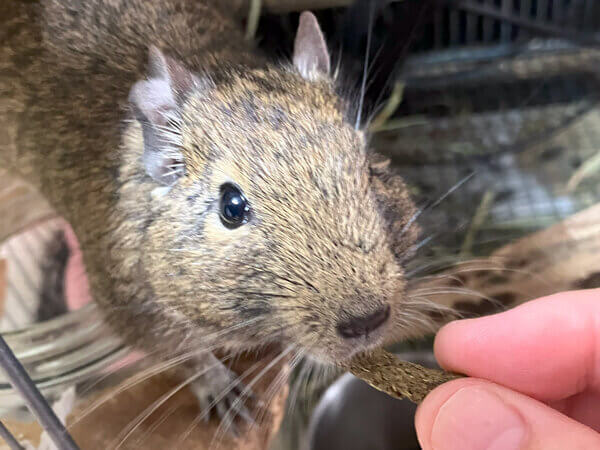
{"x": 362, "y": 326}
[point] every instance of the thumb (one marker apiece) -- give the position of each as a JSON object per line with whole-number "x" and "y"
{"x": 472, "y": 414}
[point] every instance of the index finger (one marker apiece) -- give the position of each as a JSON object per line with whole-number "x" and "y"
{"x": 548, "y": 348}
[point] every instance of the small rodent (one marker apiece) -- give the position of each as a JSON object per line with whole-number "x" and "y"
{"x": 221, "y": 201}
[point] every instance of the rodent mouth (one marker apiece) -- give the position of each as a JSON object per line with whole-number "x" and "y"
{"x": 354, "y": 335}
{"x": 344, "y": 350}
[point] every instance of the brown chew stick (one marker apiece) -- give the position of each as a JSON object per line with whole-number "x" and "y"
{"x": 399, "y": 379}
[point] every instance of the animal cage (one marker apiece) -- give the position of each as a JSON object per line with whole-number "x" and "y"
{"x": 498, "y": 118}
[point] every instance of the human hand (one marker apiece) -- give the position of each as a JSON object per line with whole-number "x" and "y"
{"x": 545, "y": 354}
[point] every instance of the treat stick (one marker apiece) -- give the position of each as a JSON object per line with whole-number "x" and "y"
{"x": 400, "y": 379}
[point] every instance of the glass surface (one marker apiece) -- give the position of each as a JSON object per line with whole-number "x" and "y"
{"x": 73, "y": 347}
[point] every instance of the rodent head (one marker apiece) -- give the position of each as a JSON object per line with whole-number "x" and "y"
{"x": 269, "y": 212}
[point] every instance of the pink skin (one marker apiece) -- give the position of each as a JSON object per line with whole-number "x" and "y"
{"x": 77, "y": 291}
{"x": 535, "y": 379}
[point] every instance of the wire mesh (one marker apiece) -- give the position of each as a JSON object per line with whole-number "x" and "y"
{"x": 471, "y": 22}
{"x": 523, "y": 120}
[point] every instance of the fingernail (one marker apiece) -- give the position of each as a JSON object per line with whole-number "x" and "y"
{"x": 475, "y": 419}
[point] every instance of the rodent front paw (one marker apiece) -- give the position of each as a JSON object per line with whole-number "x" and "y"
{"x": 221, "y": 393}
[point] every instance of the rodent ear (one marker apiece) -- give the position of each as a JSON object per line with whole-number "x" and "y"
{"x": 311, "y": 57}
{"x": 155, "y": 103}
{"x": 161, "y": 66}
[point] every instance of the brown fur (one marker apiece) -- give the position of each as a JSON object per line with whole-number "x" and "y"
{"x": 327, "y": 232}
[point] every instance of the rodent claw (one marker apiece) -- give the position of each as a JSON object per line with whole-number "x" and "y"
{"x": 220, "y": 393}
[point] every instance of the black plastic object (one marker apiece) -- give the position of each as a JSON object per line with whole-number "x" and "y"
{"x": 353, "y": 416}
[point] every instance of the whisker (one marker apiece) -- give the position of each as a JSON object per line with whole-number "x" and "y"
{"x": 203, "y": 414}
{"x": 168, "y": 413}
{"x": 394, "y": 69}
{"x": 159, "y": 368}
{"x": 450, "y": 290}
{"x": 416, "y": 215}
{"x": 425, "y": 305}
{"x": 417, "y": 320}
{"x": 461, "y": 291}
{"x": 492, "y": 269}
{"x": 276, "y": 385}
{"x": 295, "y": 391}
{"x": 338, "y": 65}
{"x": 227, "y": 420}
{"x": 130, "y": 383}
{"x": 365, "y": 69}
{"x": 133, "y": 425}
{"x": 443, "y": 263}
{"x": 88, "y": 387}
{"x": 310, "y": 375}
{"x": 421, "y": 244}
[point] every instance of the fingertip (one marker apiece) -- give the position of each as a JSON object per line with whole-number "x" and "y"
{"x": 452, "y": 340}
{"x": 472, "y": 414}
{"x": 544, "y": 348}
{"x": 428, "y": 410}
{"x": 444, "y": 343}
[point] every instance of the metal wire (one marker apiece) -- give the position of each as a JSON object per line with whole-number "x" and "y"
{"x": 37, "y": 404}
{"x": 9, "y": 438}
{"x": 468, "y": 22}
{"x": 507, "y": 17}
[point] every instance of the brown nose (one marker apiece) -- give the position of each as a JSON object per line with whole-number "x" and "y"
{"x": 362, "y": 326}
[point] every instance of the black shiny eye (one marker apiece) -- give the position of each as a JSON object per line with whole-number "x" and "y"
{"x": 234, "y": 207}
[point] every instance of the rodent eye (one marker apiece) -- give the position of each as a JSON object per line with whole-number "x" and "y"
{"x": 234, "y": 209}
